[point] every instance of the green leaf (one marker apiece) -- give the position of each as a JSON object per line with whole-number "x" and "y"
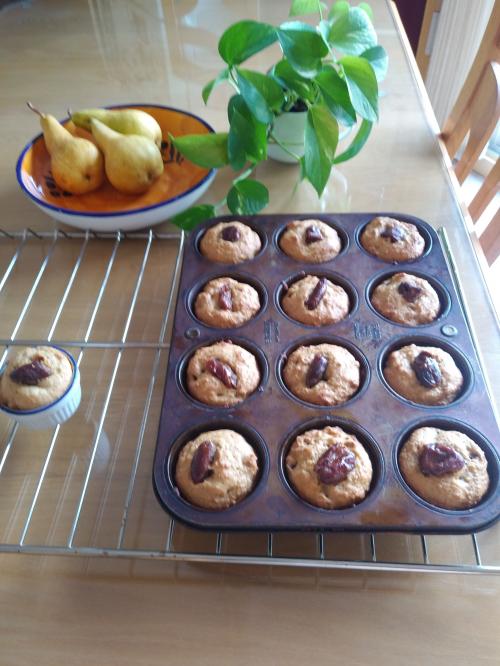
{"x": 191, "y": 217}
{"x": 362, "y": 84}
{"x": 222, "y": 76}
{"x": 261, "y": 94}
{"x": 303, "y": 47}
{"x": 324, "y": 28}
{"x": 326, "y": 128}
{"x": 206, "y": 150}
{"x": 232, "y": 105}
{"x": 247, "y": 137}
{"x": 284, "y": 73}
{"x": 302, "y": 7}
{"x": 338, "y": 9}
{"x": 321, "y": 138}
{"x": 366, "y": 8}
{"x": 244, "y": 39}
{"x": 267, "y": 86}
{"x": 357, "y": 143}
{"x": 253, "y": 99}
{"x": 336, "y": 95}
{"x": 377, "y": 57}
{"x": 247, "y": 197}
{"x": 353, "y": 33}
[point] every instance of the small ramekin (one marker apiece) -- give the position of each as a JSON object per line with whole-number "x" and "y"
{"x": 56, "y": 412}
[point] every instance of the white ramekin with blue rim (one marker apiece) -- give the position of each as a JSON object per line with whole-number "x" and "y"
{"x": 55, "y": 413}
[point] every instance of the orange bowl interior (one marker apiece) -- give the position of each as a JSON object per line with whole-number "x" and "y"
{"x": 178, "y": 177}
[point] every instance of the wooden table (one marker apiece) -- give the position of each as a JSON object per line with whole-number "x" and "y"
{"x": 125, "y": 610}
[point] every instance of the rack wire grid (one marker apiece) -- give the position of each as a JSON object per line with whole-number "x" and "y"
{"x": 84, "y": 488}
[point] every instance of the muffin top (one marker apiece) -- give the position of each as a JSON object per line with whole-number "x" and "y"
{"x": 406, "y": 299}
{"x": 427, "y": 375}
{"x": 329, "y": 468}
{"x": 34, "y": 377}
{"x": 392, "y": 240}
{"x": 311, "y": 241}
{"x": 226, "y": 303}
{"x": 216, "y": 469}
{"x": 315, "y": 301}
{"x": 323, "y": 374}
{"x": 444, "y": 467}
{"x": 230, "y": 243}
{"x": 222, "y": 374}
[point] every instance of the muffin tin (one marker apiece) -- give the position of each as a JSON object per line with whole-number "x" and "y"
{"x": 271, "y": 418}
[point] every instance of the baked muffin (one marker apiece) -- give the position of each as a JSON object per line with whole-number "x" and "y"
{"x": 406, "y": 299}
{"x": 222, "y": 374}
{"x": 322, "y": 374}
{"x": 315, "y": 301}
{"x": 427, "y": 375}
{"x": 329, "y": 468}
{"x": 311, "y": 241}
{"x": 34, "y": 377}
{"x": 444, "y": 467}
{"x": 392, "y": 240}
{"x": 216, "y": 469}
{"x": 226, "y": 303}
{"x": 230, "y": 243}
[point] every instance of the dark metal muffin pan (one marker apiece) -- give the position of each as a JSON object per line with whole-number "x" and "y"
{"x": 271, "y": 417}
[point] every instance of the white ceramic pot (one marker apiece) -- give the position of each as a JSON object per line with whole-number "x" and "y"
{"x": 289, "y": 128}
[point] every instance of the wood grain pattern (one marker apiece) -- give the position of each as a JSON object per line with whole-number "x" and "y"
{"x": 58, "y": 610}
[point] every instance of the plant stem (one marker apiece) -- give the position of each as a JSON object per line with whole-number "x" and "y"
{"x": 242, "y": 176}
{"x": 283, "y": 146}
{"x": 245, "y": 174}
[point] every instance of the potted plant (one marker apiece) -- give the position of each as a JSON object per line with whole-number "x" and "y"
{"x": 326, "y": 82}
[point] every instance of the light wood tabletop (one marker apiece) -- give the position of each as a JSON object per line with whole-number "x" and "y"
{"x": 105, "y": 577}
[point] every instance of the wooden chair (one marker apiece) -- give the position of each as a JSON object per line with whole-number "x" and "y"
{"x": 476, "y": 114}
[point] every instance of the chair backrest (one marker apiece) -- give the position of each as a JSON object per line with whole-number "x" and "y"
{"x": 476, "y": 114}
{"x": 488, "y": 52}
{"x": 479, "y": 118}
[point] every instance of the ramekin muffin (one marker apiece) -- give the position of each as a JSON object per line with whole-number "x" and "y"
{"x": 315, "y": 301}
{"x": 444, "y": 467}
{"x": 426, "y": 375}
{"x": 34, "y": 377}
{"x": 226, "y": 303}
{"x": 230, "y": 243}
{"x": 329, "y": 468}
{"x": 406, "y": 299}
{"x": 40, "y": 387}
{"x": 222, "y": 374}
{"x": 323, "y": 374}
{"x": 216, "y": 469}
{"x": 311, "y": 241}
{"x": 392, "y": 240}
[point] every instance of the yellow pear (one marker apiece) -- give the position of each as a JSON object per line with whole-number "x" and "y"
{"x": 132, "y": 162}
{"x": 77, "y": 165}
{"x": 125, "y": 121}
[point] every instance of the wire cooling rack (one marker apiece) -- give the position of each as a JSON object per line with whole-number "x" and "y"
{"x": 84, "y": 488}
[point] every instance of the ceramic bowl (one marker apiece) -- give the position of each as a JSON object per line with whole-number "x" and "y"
{"x": 55, "y": 413}
{"x": 106, "y": 209}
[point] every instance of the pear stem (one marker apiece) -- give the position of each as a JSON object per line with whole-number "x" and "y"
{"x": 33, "y": 108}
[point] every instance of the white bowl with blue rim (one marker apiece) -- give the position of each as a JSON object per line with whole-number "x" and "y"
{"x": 179, "y": 187}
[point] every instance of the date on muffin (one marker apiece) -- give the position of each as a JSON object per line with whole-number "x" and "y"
{"x": 329, "y": 468}
{"x": 216, "y": 469}
{"x": 222, "y": 374}
{"x": 445, "y": 467}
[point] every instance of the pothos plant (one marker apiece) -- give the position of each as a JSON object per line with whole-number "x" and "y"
{"x": 331, "y": 70}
